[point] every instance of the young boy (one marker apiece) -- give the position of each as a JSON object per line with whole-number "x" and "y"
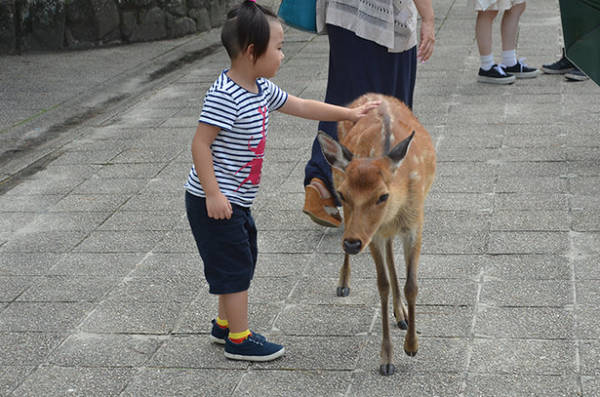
{"x": 228, "y": 150}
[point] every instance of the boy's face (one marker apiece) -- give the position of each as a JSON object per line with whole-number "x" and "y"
{"x": 268, "y": 63}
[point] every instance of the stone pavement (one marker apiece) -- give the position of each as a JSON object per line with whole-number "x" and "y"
{"x": 101, "y": 287}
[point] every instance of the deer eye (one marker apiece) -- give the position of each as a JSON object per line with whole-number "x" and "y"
{"x": 341, "y": 196}
{"x": 382, "y": 198}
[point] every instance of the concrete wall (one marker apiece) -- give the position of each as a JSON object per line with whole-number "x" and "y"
{"x": 75, "y": 24}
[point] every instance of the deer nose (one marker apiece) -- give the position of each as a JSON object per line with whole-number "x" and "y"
{"x": 352, "y": 247}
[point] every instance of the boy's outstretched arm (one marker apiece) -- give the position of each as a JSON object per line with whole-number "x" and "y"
{"x": 217, "y": 205}
{"x": 321, "y": 111}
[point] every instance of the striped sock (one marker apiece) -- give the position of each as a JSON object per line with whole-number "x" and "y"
{"x": 239, "y": 337}
{"x": 222, "y": 323}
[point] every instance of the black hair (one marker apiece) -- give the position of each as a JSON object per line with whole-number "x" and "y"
{"x": 247, "y": 24}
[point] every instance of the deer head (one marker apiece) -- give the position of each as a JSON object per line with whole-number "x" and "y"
{"x": 365, "y": 188}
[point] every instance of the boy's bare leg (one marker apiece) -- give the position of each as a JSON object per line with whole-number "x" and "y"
{"x": 510, "y": 25}
{"x": 234, "y": 308}
{"x": 483, "y": 31}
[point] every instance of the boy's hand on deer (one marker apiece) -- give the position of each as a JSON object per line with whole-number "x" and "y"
{"x": 218, "y": 206}
{"x": 361, "y": 111}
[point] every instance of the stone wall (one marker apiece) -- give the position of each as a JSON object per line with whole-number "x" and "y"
{"x": 76, "y": 24}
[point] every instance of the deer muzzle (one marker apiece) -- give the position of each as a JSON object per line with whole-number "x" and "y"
{"x": 352, "y": 247}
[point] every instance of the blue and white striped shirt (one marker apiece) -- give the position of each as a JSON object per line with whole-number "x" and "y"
{"x": 239, "y": 148}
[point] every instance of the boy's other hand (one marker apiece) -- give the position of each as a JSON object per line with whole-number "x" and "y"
{"x": 361, "y": 111}
{"x": 218, "y": 206}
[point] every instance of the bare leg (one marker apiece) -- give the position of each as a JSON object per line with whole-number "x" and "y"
{"x": 510, "y": 25}
{"x": 235, "y": 308}
{"x": 483, "y": 31}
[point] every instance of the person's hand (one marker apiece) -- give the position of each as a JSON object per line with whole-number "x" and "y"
{"x": 218, "y": 207}
{"x": 362, "y": 110}
{"x": 427, "y": 40}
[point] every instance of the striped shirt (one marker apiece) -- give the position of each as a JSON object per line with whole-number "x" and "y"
{"x": 239, "y": 148}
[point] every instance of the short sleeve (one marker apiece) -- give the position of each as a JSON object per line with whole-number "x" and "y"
{"x": 276, "y": 97}
{"x": 219, "y": 109}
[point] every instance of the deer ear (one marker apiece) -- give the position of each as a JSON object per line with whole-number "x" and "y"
{"x": 398, "y": 152}
{"x": 335, "y": 153}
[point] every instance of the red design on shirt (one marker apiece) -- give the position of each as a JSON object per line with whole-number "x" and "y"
{"x": 256, "y": 163}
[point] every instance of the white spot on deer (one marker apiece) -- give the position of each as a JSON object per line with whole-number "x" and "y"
{"x": 372, "y": 152}
{"x": 416, "y": 159}
{"x": 414, "y": 175}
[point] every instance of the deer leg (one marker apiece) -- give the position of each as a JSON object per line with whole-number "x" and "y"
{"x": 343, "y": 288}
{"x": 399, "y": 309}
{"x": 386, "y": 367}
{"x": 412, "y": 251}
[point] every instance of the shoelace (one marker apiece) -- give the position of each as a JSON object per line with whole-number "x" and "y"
{"x": 500, "y": 69}
{"x": 520, "y": 62}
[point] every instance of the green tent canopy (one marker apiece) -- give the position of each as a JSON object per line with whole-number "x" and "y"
{"x": 581, "y": 31}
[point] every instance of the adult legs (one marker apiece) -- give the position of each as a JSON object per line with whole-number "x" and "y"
{"x": 483, "y": 31}
{"x": 509, "y": 26}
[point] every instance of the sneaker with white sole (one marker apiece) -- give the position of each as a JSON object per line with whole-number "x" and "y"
{"x": 521, "y": 70}
{"x": 576, "y": 75}
{"x": 496, "y": 75}
{"x": 219, "y": 335}
{"x": 253, "y": 348}
{"x": 562, "y": 66}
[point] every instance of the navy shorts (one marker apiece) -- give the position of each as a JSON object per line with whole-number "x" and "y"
{"x": 227, "y": 246}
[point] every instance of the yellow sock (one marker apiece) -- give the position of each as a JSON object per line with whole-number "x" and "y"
{"x": 222, "y": 323}
{"x": 239, "y": 337}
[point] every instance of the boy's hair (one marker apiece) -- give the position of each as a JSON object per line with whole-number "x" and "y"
{"x": 247, "y": 24}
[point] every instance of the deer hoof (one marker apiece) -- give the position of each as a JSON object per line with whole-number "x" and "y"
{"x": 402, "y": 324}
{"x": 387, "y": 369}
{"x": 343, "y": 291}
{"x": 411, "y": 354}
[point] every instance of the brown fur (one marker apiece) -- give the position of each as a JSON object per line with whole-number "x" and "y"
{"x": 371, "y": 174}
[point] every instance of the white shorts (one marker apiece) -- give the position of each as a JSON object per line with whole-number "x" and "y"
{"x": 494, "y": 5}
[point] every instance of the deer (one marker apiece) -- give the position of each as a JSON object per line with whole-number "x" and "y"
{"x": 383, "y": 166}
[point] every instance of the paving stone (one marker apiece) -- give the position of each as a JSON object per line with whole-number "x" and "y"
{"x": 518, "y": 356}
{"x": 587, "y": 268}
{"x": 110, "y": 186}
{"x": 193, "y": 351}
{"x": 165, "y": 265}
{"x": 530, "y": 221}
{"x": 28, "y": 203}
{"x": 530, "y": 201}
{"x": 588, "y": 292}
{"x": 552, "y": 293}
{"x": 522, "y": 385}
{"x": 58, "y": 381}
{"x": 96, "y": 264}
{"x": 172, "y": 289}
{"x": 11, "y": 287}
{"x": 177, "y": 241}
{"x": 298, "y": 383}
{"x": 91, "y": 350}
{"x": 526, "y": 322}
{"x": 132, "y": 317}
{"x": 68, "y": 289}
{"x": 527, "y": 267}
{"x": 182, "y": 382}
{"x": 119, "y": 241}
{"x": 405, "y": 382}
{"x": 137, "y": 220}
{"x": 528, "y": 242}
{"x": 322, "y": 291}
{"x": 325, "y": 320}
{"x": 65, "y": 221}
{"x": 52, "y": 242}
{"x": 27, "y": 349}
{"x": 43, "y": 317}
{"x": 22, "y": 263}
{"x": 90, "y": 202}
{"x": 11, "y": 377}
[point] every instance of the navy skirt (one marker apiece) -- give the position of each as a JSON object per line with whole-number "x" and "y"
{"x": 358, "y": 66}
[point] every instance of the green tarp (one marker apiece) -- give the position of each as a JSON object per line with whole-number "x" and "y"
{"x": 581, "y": 30}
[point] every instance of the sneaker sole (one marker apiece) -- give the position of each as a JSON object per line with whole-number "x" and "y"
{"x": 320, "y": 221}
{"x": 496, "y": 80}
{"x": 216, "y": 340}
{"x": 576, "y": 78}
{"x": 526, "y": 75}
{"x": 556, "y": 71}
{"x": 242, "y": 357}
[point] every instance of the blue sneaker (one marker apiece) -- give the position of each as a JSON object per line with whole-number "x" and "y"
{"x": 218, "y": 334}
{"x": 254, "y": 348}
